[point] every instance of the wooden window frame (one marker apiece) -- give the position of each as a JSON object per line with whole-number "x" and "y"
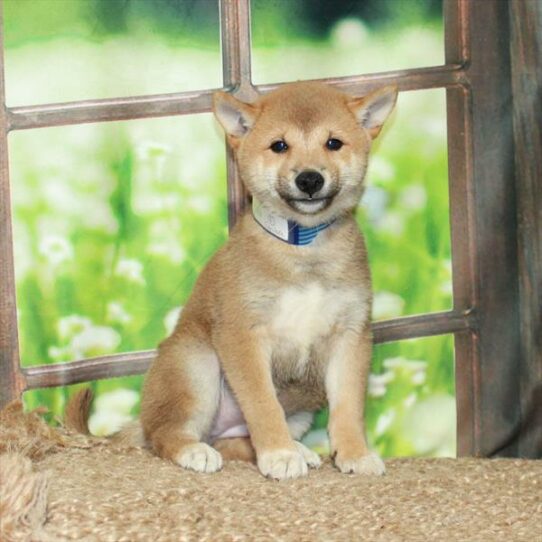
{"x": 496, "y": 256}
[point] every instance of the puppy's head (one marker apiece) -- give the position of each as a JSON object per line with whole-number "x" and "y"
{"x": 302, "y": 150}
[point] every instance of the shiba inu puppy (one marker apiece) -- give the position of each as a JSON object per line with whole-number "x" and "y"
{"x": 278, "y": 323}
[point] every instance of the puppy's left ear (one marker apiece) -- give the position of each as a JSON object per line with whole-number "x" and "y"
{"x": 373, "y": 110}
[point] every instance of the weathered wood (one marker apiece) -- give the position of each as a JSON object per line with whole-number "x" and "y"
{"x": 110, "y": 109}
{"x": 132, "y": 363}
{"x": 185, "y": 103}
{"x": 526, "y": 54}
{"x": 236, "y": 72}
{"x": 11, "y": 379}
{"x": 415, "y": 79}
{"x": 74, "y": 372}
{"x": 462, "y": 219}
{"x": 496, "y": 383}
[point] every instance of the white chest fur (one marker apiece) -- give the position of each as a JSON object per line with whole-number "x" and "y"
{"x": 302, "y": 315}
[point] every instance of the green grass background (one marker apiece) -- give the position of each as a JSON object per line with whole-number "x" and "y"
{"x": 114, "y": 221}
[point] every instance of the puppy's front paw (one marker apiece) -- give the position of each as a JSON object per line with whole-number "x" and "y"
{"x": 367, "y": 464}
{"x": 311, "y": 458}
{"x": 282, "y": 464}
{"x": 199, "y": 457}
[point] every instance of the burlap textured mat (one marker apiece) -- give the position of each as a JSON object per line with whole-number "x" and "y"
{"x": 58, "y": 486}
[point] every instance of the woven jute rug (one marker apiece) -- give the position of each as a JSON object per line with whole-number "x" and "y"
{"x": 56, "y": 485}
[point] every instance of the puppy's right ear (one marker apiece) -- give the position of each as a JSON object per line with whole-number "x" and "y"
{"x": 236, "y": 117}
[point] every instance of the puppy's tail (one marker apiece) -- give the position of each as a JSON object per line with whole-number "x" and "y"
{"x": 236, "y": 449}
{"x": 77, "y": 414}
{"x": 78, "y": 411}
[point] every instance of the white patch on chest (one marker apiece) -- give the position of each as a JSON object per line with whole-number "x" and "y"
{"x": 303, "y": 314}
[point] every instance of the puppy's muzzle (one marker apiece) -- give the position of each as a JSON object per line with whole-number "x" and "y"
{"x": 309, "y": 182}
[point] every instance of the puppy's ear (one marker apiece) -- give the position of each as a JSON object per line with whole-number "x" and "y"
{"x": 373, "y": 110}
{"x": 236, "y": 117}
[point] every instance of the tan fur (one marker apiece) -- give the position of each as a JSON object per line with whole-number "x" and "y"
{"x": 287, "y": 326}
{"x": 236, "y": 449}
{"x": 78, "y": 411}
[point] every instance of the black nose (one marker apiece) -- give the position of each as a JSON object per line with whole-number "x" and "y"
{"x": 309, "y": 182}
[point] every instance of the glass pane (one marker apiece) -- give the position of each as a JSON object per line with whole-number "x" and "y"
{"x": 112, "y": 224}
{"x": 410, "y": 407}
{"x": 404, "y": 212}
{"x": 311, "y": 39}
{"x": 62, "y": 50}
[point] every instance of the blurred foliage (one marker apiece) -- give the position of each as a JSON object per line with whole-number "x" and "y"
{"x": 114, "y": 221}
{"x": 177, "y": 19}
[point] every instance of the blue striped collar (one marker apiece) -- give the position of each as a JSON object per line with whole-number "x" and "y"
{"x": 288, "y": 231}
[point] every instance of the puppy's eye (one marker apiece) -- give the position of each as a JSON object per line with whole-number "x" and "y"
{"x": 279, "y": 146}
{"x": 334, "y": 144}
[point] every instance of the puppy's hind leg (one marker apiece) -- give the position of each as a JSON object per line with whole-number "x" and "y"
{"x": 241, "y": 449}
{"x": 180, "y": 399}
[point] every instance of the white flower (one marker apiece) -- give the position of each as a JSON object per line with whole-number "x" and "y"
{"x": 409, "y": 400}
{"x": 60, "y": 353}
{"x": 392, "y": 222}
{"x": 68, "y": 326}
{"x": 100, "y": 217}
{"x": 417, "y": 368}
{"x": 95, "y": 341}
{"x": 375, "y": 201}
{"x": 384, "y": 421}
{"x": 201, "y": 204}
{"x": 112, "y": 411}
{"x": 148, "y": 203}
{"x": 378, "y": 382}
{"x": 155, "y": 153}
{"x": 414, "y": 365}
{"x": 431, "y": 426}
{"x": 121, "y": 401}
{"x": 414, "y": 197}
{"x": 103, "y": 423}
{"x": 60, "y": 196}
{"x": 418, "y": 378}
{"x": 168, "y": 248}
{"x": 349, "y": 33}
{"x": 117, "y": 314}
{"x": 162, "y": 227}
{"x": 171, "y": 318}
{"x": 55, "y": 249}
{"x": 164, "y": 240}
{"x": 387, "y": 305}
{"x": 131, "y": 270}
{"x": 446, "y": 286}
{"x": 380, "y": 170}
{"x": 317, "y": 440}
{"x": 194, "y": 169}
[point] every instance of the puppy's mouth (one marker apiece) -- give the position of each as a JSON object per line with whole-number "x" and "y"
{"x": 309, "y": 205}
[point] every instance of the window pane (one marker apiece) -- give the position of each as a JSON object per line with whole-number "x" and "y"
{"x": 112, "y": 224}
{"x": 404, "y": 212}
{"x": 62, "y": 50}
{"x": 310, "y": 39}
{"x": 410, "y": 408}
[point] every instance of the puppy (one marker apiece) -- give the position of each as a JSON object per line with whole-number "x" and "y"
{"x": 278, "y": 324}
